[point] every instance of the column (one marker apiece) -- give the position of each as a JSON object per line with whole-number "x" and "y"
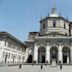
{"x": 60, "y": 54}
{"x": 2, "y": 43}
{"x": 36, "y": 53}
{"x": 71, "y": 54}
{"x": 48, "y": 54}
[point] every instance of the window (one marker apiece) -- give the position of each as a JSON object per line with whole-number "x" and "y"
{"x": 5, "y": 43}
{"x": 9, "y": 44}
{"x": 64, "y": 26}
{"x": 12, "y": 56}
{"x": 9, "y": 55}
{"x": 53, "y": 35}
{"x": 43, "y": 26}
{"x": 3, "y": 54}
{"x": 54, "y": 23}
{"x": 13, "y": 46}
{"x": 66, "y": 34}
{"x": 23, "y": 59}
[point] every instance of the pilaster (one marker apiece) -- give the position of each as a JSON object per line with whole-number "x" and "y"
{"x": 36, "y": 53}
{"x": 71, "y": 54}
{"x": 60, "y": 54}
{"x": 48, "y": 54}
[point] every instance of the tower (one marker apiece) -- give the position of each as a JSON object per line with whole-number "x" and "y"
{"x": 54, "y": 24}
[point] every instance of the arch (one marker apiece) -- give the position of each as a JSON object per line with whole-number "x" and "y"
{"x": 66, "y": 54}
{"x": 40, "y": 46}
{"x": 54, "y": 46}
{"x": 66, "y": 46}
{"x": 41, "y": 54}
{"x": 54, "y": 54}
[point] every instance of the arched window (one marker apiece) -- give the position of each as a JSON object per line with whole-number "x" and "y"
{"x": 54, "y": 23}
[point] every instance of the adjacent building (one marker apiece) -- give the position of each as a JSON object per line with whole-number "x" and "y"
{"x": 12, "y": 50}
{"x": 52, "y": 44}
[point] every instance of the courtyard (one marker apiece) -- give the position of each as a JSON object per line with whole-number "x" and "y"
{"x": 36, "y": 68}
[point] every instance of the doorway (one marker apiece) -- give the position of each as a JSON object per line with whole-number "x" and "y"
{"x": 29, "y": 59}
{"x": 54, "y": 54}
{"x": 66, "y": 54}
{"x": 41, "y": 55}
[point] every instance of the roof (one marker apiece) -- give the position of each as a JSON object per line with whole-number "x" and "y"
{"x": 55, "y": 17}
{"x": 9, "y": 35}
{"x": 68, "y": 37}
{"x": 54, "y": 33}
{"x": 29, "y": 41}
{"x": 33, "y": 32}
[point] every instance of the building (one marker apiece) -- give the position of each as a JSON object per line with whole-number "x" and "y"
{"x": 53, "y": 43}
{"x": 11, "y": 49}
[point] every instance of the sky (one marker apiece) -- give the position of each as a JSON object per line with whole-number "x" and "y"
{"x": 19, "y": 17}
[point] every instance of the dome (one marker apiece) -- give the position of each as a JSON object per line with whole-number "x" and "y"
{"x": 54, "y": 12}
{"x": 53, "y": 15}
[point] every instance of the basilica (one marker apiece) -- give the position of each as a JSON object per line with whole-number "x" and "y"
{"x": 53, "y": 43}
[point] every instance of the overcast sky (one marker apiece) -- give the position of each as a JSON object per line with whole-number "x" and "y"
{"x": 18, "y": 17}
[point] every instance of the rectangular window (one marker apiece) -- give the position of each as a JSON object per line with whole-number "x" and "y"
{"x": 12, "y": 56}
{"x": 9, "y": 55}
{"x": 9, "y": 44}
{"x": 43, "y": 26}
{"x": 64, "y": 26}
{"x": 5, "y": 43}
{"x": 54, "y": 23}
{"x": 23, "y": 59}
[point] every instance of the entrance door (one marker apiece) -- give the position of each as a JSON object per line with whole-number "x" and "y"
{"x": 66, "y": 54}
{"x": 64, "y": 58}
{"x": 43, "y": 59}
{"x": 29, "y": 59}
{"x": 41, "y": 55}
{"x": 54, "y": 54}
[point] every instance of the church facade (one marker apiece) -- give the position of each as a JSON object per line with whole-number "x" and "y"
{"x": 53, "y": 43}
